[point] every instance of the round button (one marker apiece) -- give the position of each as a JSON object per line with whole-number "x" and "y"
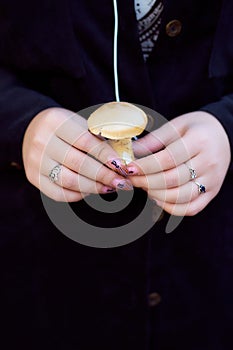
{"x": 173, "y": 28}
{"x": 154, "y": 299}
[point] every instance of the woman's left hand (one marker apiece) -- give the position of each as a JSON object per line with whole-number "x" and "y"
{"x": 193, "y": 143}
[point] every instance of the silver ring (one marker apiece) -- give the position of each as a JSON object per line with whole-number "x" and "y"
{"x": 53, "y": 176}
{"x": 201, "y": 188}
{"x": 192, "y": 172}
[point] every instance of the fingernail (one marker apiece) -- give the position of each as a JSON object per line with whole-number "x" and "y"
{"x": 123, "y": 185}
{"x": 107, "y": 189}
{"x": 119, "y": 166}
{"x": 132, "y": 170}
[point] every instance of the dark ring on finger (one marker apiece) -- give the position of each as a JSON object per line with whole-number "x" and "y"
{"x": 201, "y": 188}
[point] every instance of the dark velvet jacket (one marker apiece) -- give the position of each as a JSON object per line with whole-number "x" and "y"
{"x": 163, "y": 291}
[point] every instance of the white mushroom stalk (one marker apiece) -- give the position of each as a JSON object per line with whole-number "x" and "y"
{"x": 118, "y": 122}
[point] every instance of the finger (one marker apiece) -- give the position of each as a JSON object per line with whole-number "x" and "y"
{"x": 68, "y": 179}
{"x": 82, "y": 164}
{"x": 194, "y": 206}
{"x": 148, "y": 144}
{"x": 57, "y": 193}
{"x": 79, "y": 137}
{"x": 157, "y": 139}
{"x": 186, "y": 209}
{"x": 179, "y": 195}
{"x": 173, "y": 155}
{"x": 163, "y": 180}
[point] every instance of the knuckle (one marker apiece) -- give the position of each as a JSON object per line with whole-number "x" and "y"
{"x": 202, "y": 140}
{"x": 167, "y": 161}
{"x": 38, "y": 142}
{"x": 212, "y": 164}
{"x": 54, "y": 117}
{"x": 72, "y": 159}
{"x": 83, "y": 140}
{"x": 105, "y": 175}
{"x": 170, "y": 180}
{"x": 99, "y": 151}
{"x": 146, "y": 182}
{"x": 69, "y": 182}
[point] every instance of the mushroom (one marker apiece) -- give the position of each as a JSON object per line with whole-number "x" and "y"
{"x": 119, "y": 122}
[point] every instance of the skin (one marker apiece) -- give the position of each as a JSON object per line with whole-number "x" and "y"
{"x": 196, "y": 140}
{"x": 58, "y": 136}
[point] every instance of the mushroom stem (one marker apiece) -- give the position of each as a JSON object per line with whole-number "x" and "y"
{"x": 124, "y": 149}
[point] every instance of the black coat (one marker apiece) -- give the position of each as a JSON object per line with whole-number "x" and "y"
{"x": 163, "y": 291}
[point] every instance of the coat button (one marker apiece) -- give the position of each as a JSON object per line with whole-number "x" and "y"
{"x": 154, "y": 299}
{"x": 173, "y": 28}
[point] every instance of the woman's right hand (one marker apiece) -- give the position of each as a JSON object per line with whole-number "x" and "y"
{"x": 88, "y": 164}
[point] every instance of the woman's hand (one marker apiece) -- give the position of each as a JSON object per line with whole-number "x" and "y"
{"x": 195, "y": 140}
{"x": 58, "y": 136}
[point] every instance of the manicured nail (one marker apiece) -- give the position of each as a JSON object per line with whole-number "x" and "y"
{"x": 132, "y": 170}
{"x": 107, "y": 189}
{"x": 123, "y": 185}
{"x": 119, "y": 166}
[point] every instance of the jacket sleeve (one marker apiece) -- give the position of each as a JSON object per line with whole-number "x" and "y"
{"x": 18, "y": 105}
{"x": 223, "y": 111}
{"x": 221, "y": 66}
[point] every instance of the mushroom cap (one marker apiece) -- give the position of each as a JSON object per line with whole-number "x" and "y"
{"x": 117, "y": 120}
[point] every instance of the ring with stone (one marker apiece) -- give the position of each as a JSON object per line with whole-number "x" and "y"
{"x": 201, "y": 188}
{"x": 53, "y": 176}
